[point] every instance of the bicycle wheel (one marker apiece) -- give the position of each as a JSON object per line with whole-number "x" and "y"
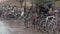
{"x": 43, "y": 27}
{"x": 20, "y": 19}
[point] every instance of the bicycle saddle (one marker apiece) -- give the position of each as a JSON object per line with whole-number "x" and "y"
{"x": 50, "y": 18}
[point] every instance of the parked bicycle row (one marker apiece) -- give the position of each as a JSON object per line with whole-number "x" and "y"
{"x": 45, "y": 19}
{"x": 47, "y": 22}
{"x": 9, "y": 11}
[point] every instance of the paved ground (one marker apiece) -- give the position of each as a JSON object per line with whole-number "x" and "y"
{"x": 13, "y": 27}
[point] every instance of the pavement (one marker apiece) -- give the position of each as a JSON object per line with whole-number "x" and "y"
{"x": 13, "y": 27}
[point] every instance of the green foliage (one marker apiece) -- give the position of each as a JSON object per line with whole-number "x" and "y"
{"x": 56, "y": 0}
{"x": 45, "y": 3}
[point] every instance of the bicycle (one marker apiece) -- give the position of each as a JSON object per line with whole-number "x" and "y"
{"x": 46, "y": 24}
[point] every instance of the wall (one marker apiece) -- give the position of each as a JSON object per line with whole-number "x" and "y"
{"x": 57, "y": 3}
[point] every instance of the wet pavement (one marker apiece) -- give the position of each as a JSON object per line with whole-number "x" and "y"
{"x": 13, "y": 27}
